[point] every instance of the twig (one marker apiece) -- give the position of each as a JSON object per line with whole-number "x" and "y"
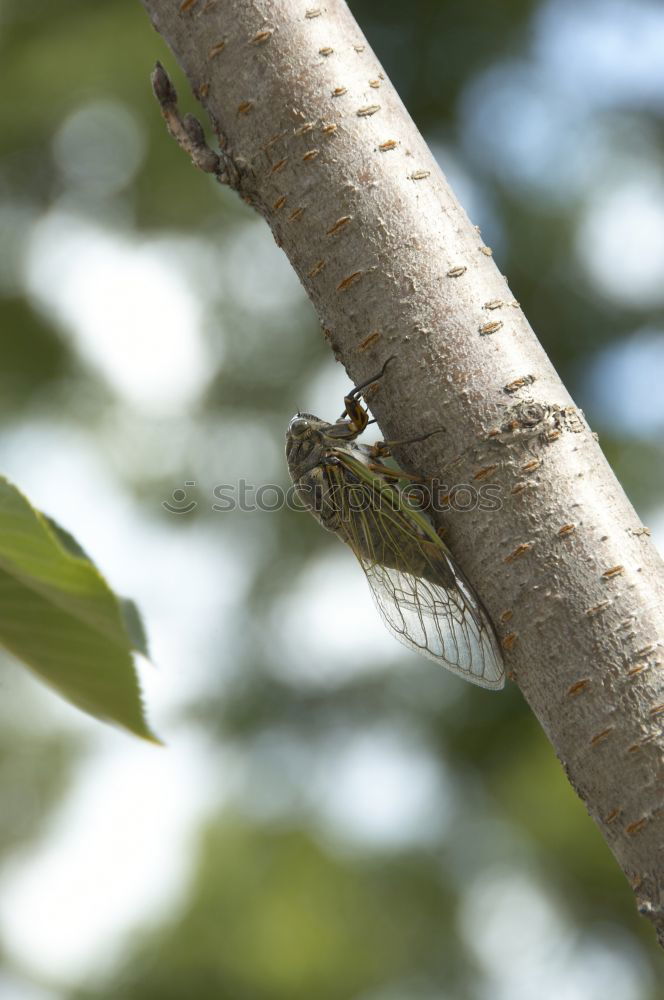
{"x": 188, "y": 131}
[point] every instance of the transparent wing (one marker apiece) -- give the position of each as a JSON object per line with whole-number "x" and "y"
{"x": 444, "y": 623}
{"x": 420, "y": 593}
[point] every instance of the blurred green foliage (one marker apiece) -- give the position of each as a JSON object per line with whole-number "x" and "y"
{"x": 280, "y": 906}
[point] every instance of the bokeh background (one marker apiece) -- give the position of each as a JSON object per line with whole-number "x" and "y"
{"x": 332, "y": 817}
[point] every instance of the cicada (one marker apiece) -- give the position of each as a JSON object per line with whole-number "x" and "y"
{"x": 421, "y": 594}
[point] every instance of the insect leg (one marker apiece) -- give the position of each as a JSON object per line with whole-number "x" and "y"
{"x": 358, "y": 415}
{"x": 393, "y": 474}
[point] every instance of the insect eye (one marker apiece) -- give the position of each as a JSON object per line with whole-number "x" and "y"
{"x": 299, "y": 427}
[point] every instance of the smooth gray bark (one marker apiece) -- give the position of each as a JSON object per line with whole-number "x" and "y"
{"x": 316, "y": 138}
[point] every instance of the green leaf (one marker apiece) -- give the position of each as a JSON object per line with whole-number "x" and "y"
{"x": 133, "y": 625}
{"x": 131, "y": 616}
{"x": 59, "y": 616}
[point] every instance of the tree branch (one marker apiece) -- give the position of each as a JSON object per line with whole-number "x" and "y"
{"x": 313, "y": 135}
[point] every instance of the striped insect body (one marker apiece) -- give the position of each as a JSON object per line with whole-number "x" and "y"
{"x": 421, "y": 594}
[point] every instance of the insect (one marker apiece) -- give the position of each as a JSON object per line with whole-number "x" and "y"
{"x": 421, "y": 594}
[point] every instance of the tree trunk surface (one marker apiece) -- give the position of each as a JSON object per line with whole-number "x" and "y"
{"x": 315, "y": 137}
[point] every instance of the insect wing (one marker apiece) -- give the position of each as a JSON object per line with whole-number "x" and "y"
{"x": 445, "y": 624}
{"x": 421, "y": 595}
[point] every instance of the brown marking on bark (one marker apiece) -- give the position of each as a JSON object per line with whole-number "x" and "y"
{"x": 596, "y": 608}
{"x": 484, "y": 472}
{"x": 316, "y": 269}
{"x": 578, "y": 687}
{"x": 369, "y": 341}
{"x": 518, "y": 383}
{"x": 519, "y": 551}
{"x": 348, "y": 281}
{"x": 262, "y": 36}
{"x": 338, "y": 225}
